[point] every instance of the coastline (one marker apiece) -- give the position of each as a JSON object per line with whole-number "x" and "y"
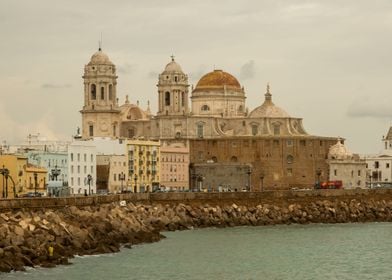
{"x": 27, "y": 234}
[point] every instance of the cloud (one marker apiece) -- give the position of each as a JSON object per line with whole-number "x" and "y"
{"x": 126, "y": 68}
{"x": 152, "y": 75}
{"x": 380, "y": 108}
{"x": 247, "y": 70}
{"x": 52, "y": 86}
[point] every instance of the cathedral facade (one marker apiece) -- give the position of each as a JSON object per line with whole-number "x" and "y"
{"x": 213, "y": 122}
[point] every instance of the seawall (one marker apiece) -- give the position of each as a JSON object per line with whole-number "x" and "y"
{"x": 101, "y": 224}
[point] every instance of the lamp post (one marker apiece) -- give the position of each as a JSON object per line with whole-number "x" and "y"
{"x": 35, "y": 183}
{"x": 261, "y": 181}
{"x": 55, "y": 173}
{"x": 89, "y": 178}
{"x": 135, "y": 188}
{"x": 122, "y": 178}
{"x": 249, "y": 172}
{"x": 318, "y": 173}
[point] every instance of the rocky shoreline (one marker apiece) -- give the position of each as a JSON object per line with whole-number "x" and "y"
{"x": 27, "y": 235}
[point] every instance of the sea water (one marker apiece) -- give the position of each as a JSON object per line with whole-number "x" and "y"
{"x": 318, "y": 251}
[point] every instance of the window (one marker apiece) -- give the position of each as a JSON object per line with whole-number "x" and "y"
{"x": 85, "y": 169}
{"x": 93, "y": 92}
{"x": 91, "y": 130}
{"x": 290, "y": 159}
{"x": 205, "y": 108}
{"x": 72, "y": 181}
{"x": 92, "y": 157}
{"x": 289, "y": 171}
{"x": 233, "y": 159}
{"x": 200, "y": 130}
{"x": 167, "y": 98}
{"x": 335, "y": 172}
{"x": 276, "y": 129}
{"x": 92, "y": 169}
{"x": 85, "y": 157}
{"x": 255, "y": 129}
{"x": 78, "y": 181}
{"x": 114, "y": 129}
{"x": 175, "y": 78}
{"x": 182, "y": 98}
{"x": 387, "y": 165}
{"x": 302, "y": 143}
{"x": 376, "y": 164}
{"x": 289, "y": 143}
{"x": 114, "y": 177}
{"x": 71, "y": 156}
{"x": 72, "y": 169}
{"x": 359, "y": 172}
{"x": 110, "y": 92}
{"x": 78, "y": 169}
{"x": 78, "y": 157}
{"x": 102, "y": 93}
{"x": 131, "y": 133}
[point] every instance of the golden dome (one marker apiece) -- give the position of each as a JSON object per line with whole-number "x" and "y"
{"x": 218, "y": 79}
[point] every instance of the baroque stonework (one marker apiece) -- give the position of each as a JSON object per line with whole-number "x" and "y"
{"x": 217, "y": 112}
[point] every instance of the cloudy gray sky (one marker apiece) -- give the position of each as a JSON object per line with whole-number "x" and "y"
{"x": 328, "y": 62}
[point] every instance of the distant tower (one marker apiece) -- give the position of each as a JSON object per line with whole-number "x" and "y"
{"x": 173, "y": 90}
{"x": 100, "y": 113}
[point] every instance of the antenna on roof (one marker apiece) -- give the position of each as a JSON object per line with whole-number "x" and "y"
{"x": 100, "y": 43}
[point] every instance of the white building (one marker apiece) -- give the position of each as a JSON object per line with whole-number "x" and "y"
{"x": 346, "y": 167}
{"x": 82, "y": 167}
{"x": 380, "y": 166}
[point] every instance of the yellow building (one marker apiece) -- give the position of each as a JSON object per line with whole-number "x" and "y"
{"x": 17, "y": 177}
{"x": 143, "y": 163}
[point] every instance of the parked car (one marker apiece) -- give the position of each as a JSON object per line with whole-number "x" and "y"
{"x": 32, "y": 194}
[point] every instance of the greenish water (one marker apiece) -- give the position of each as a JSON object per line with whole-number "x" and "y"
{"x": 339, "y": 251}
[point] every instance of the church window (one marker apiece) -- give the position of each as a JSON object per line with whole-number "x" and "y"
{"x": 175, "y": 78}
{"x": 182, "y": 98}
{"x": 102, "y": 93}
{"x": 359, "y": 172}
{"x": 276, "y": 129}
{"x": 233, "y": 159}
{"x": 255, "y": 129}
{"x": 387, "y": 166}
{"x": 93, "y": 92}
{"x": 167, "y": 98}
{"x": 91, "y": 130}
{"x": 289, "y": 143}
{"x": 290, "y": 159}
{"x": 114, "y": 129}
{"x": 110, "y": 92}
{"x": 205, "y": 108}
{"x": 214, "y": 159}
{"x": 131, "y": 133}
{"x": 200, "y": 130}
{"x": 335, "y": 172}
{"x": 240, "y": 109}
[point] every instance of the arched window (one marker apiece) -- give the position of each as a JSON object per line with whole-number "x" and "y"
{"x": 200, "y": 130}
{"x": 214, "y": 159}
{"x": 233, "y": 159}
{"x": 93, "y": 92}
{"x": 175, "y": 79}
{"x": 205, "y": 108}
{"x": 255, "y": 129}
{"x": 240, "y": 109}
{"x": 102, "y": 93}
{"x": 276, "y": 129}
{"x": 290, "y": 159}
{"x": 110, "y": 92}
{"x": 91, "y": 130}
{"x": 167, "y": 98}
{"x": 182, "y": 98}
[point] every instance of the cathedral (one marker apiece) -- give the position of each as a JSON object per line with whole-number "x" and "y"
{"x": 264, "y": 148}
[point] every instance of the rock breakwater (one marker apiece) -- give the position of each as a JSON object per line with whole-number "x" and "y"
{"x": 26, "y": 236}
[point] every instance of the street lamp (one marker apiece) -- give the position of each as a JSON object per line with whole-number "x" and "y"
{"x": 249, "y": 172}
{"x": 89, "y": 178}
{"x": 318, "y": 173}
{"x": 122, "y": 179}
{"x": 35, "y": 183}
{"x": 261, "y": 181}
{"x": 55, "y": 173}
{"x": 135, "y": 190}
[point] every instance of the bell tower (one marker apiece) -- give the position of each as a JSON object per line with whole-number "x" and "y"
{"x": 100, "y": 113}
{"x": 173, "y": 90}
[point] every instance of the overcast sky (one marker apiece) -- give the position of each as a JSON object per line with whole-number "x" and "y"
{"x": 328, "y": 62}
